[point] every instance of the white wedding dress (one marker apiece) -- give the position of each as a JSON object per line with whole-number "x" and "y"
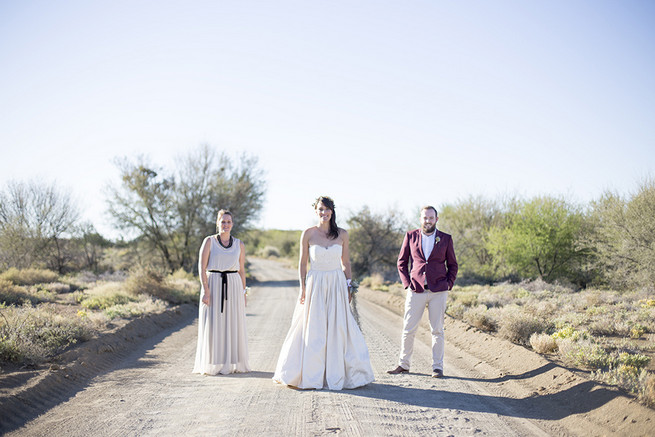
{"x": 324, "y": 347}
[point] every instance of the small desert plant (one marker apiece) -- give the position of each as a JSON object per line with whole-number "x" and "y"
{"x": 56, "y": 287}
{"x": 543, "y": 343}
{"x": 585, "y": 353}
{"x": 181, "y": 274}
{"x": 269, "y": 252}
{"x": 647, "y": 388}
{"x": 456, "y": 310}
{"x": 480, "y": 318}
{"x": 146, "y": 305}
{"x": 13, "y": 294}
{"x": 144, "y": 280}
{"x": 517, "y": 326}
{"x": 638, "y": 361}
{"x": 467, "y": 298}
{"x": 33, "y": 334}
{"x": 637, "y": 331}
{"x": 568, "y": 332}
{"x": 375, "y": 282}
{"x": 29, "y": 276}
{"x": 104, "y": 301}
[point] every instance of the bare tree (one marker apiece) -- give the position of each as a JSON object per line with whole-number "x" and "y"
{"x": 34, "y": 218}
{"x": 175, "y": 210}
{"x": 375, "y": 240}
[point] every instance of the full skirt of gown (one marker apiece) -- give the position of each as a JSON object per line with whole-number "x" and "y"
{"x": 324, "y": 347}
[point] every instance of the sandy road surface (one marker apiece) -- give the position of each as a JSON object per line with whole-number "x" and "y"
{"x": 152, "y": 391}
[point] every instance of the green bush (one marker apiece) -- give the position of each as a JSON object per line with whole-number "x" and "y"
{"x": 585, "y": 354}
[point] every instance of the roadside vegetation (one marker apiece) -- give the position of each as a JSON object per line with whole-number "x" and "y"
{"x": 38, "y": 319}
{"x": 573, "y": 282}
{"x": 62, "y": 283}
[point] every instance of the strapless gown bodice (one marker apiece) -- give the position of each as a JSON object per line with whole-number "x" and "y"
{"x": 325, "y": 258}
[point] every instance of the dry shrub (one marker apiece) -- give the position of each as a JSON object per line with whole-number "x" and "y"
{"x": 585, "y": 354}
{"x": 180, "y": 274}
{"x": 145, "y": 280}
{"x": 145, "y": 305}
{"x": 56, "y": 287}
{"x": 543, "y": 343}
{"x": 517, "y": 326}
{"x": 456, "y": 310}
{"x": 647, "y": 388}
{"x": 148, "y": 281}
{"x": 480, "y": 318}
{"x": 269, "y": 252}
{"x": 182, "y": 290}
{"x": 34, "y": 334}
{"x": 467, "y": 298}
{"x": 12, "y": 294}
{"x": 104, "y": 301}
{"x": 374, "y": 282}
{"x": 29, "y": 276}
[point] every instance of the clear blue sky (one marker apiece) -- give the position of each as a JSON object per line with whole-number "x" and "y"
{"x": 373, "y": 102}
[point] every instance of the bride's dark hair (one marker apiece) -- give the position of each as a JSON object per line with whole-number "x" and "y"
{"x": 333, "y": 233}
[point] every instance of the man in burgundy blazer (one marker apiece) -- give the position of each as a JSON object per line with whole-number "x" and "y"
{"x": 428, "y": 267}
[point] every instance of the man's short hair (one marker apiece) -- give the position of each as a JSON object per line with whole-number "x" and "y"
{"x": 432, "y": 208}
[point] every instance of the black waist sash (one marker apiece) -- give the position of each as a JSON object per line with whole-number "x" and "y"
{"x": 223, "y": 283}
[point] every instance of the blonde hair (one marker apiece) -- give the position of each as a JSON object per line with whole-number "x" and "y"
{"x": 220, "y": 214}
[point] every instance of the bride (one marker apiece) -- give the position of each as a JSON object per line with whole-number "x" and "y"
{"x": 324, "y": 347}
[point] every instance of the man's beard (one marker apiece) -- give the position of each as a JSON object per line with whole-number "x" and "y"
{"x": 428, "y": 229}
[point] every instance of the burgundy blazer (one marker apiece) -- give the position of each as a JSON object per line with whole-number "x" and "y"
{"x": 440, "y": 269}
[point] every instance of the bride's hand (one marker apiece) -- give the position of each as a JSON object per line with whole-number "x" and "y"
{"x": 206, "y": 300}
{"x": 302, "y": 297}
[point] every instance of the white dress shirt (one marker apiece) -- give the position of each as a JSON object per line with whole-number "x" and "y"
{"x": 427, "y": 243}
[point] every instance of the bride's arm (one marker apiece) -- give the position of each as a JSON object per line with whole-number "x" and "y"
{"x": 302, "y": 263}
{"x": 345, "y": 258}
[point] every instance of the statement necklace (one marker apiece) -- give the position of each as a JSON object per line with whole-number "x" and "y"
{"x": 229, "y": 244}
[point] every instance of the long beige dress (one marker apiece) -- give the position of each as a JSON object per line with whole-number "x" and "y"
{"x": 222, "y": 342}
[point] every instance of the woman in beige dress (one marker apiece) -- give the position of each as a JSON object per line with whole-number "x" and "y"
{"x": 222, "y": 342}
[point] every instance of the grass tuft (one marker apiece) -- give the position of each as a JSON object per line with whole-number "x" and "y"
{"x": 29, "y": 276}
{"x": 34, "y": 334}
{"x": 517, "y": 326}
{"x": 543, "y": 343}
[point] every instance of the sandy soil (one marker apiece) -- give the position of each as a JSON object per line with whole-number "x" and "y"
{"x": 137, "y": 381}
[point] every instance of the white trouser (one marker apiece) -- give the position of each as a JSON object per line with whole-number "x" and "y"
{"x": 415, "y": 303}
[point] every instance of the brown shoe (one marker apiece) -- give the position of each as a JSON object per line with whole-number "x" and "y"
{"x": 437, "y": 373}
{"x": 397, "y": 370}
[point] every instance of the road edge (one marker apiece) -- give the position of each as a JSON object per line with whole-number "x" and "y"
{"x": 72, "y": 370}
{"x": 529, "y": 374}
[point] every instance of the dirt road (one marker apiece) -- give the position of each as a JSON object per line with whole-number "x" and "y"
{"x": 152, "y": 391}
